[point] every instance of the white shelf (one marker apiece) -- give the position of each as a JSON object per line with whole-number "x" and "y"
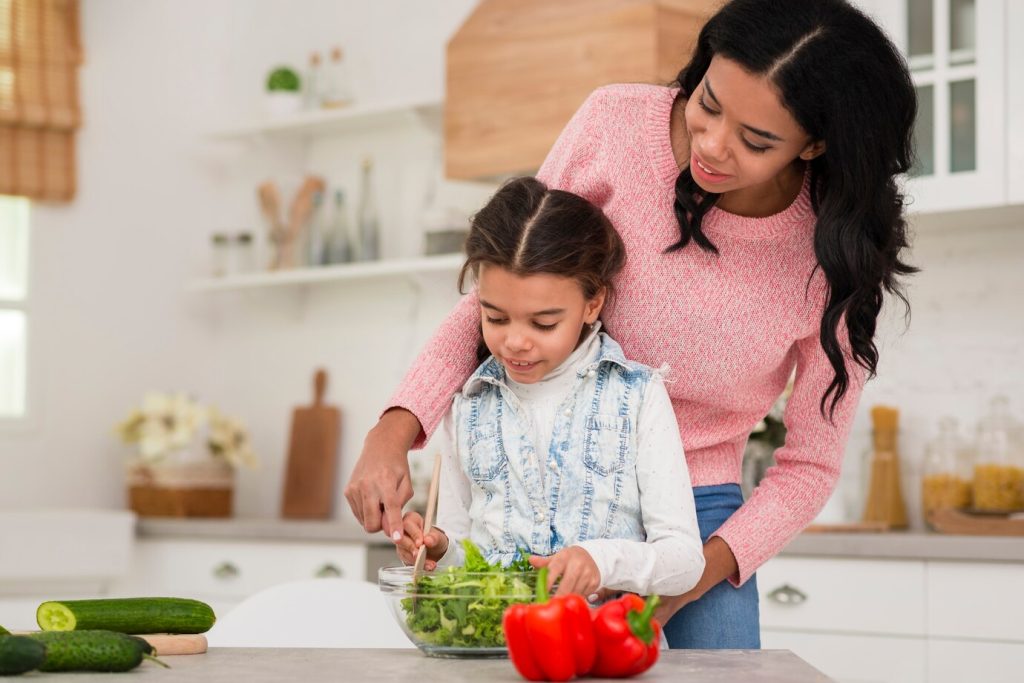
{"x": 445, "y": 263}
{"x": 319, "y": 121}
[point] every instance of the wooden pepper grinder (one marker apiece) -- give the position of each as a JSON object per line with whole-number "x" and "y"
{"x": 885, "y": 498}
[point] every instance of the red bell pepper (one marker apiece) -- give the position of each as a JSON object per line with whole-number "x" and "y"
{"x": 628, "y": 637}
{"x": 552, "y": 639}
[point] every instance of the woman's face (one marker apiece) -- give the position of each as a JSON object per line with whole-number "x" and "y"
{"x": 740, "y": 134}
{"x": 532, "y": 323}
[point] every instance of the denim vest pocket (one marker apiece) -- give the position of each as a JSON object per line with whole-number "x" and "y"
{"x": 487, "y": 458}
{"x": 606, "y": 443}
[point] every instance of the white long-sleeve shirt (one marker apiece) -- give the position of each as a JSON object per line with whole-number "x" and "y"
{"x": 671, "y": 560}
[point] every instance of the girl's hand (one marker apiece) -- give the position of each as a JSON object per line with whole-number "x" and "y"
{"x": 574, "y": 570}
{"x": 413, "y": 538}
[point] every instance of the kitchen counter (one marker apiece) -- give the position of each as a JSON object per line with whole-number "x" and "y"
{"x": 312, "y": 665}
{"x": 888, "y": 545}
{"x": 256, "y": 529}
{"x": 904, "y": 545}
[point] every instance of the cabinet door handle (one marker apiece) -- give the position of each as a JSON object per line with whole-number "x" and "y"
{"x": 226, "y": 570}
{"x": 329, "y": 571}
{"x": 787, "y": 595}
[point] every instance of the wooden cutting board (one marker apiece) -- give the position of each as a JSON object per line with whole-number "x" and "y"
{"x": 312, "y": 457}
{"x": 169, "y": 643}
{"x": 176, "y": 644}
{"x": 959, "y": 522}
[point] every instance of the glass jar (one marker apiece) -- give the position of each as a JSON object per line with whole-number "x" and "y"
{"x": 245, "y": 253}
{"x": 220, "y": 245}
{"x": 946, "y": 482}
{"x": 998, "y": 473}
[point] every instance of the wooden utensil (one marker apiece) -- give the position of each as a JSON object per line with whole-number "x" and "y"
{"x": 299, "y": 213}
{"x": 851, "y": 528}
{"x": 270, "y": 207}
{"x": 428, "y": 521}
{"x": 312, "y": 457}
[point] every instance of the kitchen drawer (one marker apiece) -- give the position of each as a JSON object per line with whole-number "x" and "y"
{"x": 225, "y": 571}
{"x": 975, "y": 600}
{"x": 854, "y": 596}
{"x": 957, "y": 661}
{"x": 849, "y": 658}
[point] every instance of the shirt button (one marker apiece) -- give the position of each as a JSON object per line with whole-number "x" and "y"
{"x": 552, "y": 465}
{"x": 539, "y": 517}
{"x": 568, "y": 412}
{"x": 591, "y": 373}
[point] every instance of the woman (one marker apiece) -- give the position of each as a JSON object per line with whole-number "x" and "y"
{"x": 763, "y": 223}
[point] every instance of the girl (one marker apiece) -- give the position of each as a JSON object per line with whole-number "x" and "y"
{"x": 759, "y": 204}
{"x": 559, "y": 445}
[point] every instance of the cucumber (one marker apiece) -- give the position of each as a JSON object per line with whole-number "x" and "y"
{"x": 89, "y": 651}
{"x": 127, "y": 615}
{"x": 4, "y": 632}
{"x": 19, "y": 654}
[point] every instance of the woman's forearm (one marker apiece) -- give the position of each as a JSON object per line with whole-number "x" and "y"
{"x": 719, "y": 565}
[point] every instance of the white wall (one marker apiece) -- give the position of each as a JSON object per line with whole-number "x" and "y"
{"x": 110, "y": 319}
{"x": 109, "y": 316}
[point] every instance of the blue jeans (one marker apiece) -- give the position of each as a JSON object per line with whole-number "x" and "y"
{"x": 725, "y": 617}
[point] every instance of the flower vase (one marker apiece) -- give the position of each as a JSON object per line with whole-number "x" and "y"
{"x": 172, "y": 488}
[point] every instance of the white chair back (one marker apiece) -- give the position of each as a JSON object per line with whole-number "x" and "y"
{"x": 311, "y": 613}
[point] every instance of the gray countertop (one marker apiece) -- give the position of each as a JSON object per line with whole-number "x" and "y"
{"x": 253, "y": 665}
{"x": 890, "y": 545}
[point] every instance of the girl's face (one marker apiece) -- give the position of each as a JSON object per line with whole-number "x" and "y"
{"x": 532, "y": 323}
{"x": 741, "y": 136}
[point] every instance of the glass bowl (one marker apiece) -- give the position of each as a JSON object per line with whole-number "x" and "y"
{"x": 454, "y": 613}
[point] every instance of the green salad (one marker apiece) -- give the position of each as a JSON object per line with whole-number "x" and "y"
{"x": 463, "y": 606}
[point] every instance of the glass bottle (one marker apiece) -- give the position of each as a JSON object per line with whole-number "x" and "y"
{"x": 947, "y": 478}
{"x": 998, "y": 473}
{"x": 314, "y": 86}
{"x": 367, "y": 222}
{"x": 315, "y": 231}
{"x": 885, "y": 496}
{"x": 338, "y": 241}
{"x": 336, "y": 90}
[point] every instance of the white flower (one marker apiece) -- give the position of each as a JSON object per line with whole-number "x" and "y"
{"x": 229, "y": 439}
{"x": 170, "y": 423}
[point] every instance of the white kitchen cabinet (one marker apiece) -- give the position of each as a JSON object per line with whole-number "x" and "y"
{"x": 1015, "y": 102}
{"x": 957, "y": 661}
{"x": 961, "y": 58}
{"x": 849, "y": 658}
{"x": 863, "y": 596}
{"x": 224, "y": 573}
{"x": 976, "y": 601}
{"x": 896, "y": 620}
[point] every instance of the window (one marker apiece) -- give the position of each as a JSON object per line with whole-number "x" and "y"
{"x": 14, "y": 215}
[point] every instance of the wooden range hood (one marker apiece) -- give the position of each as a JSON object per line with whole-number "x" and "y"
{"x": 517, "y": 70}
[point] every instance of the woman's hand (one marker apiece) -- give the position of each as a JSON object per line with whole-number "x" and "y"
{"x": 380, "y": 483}
{"x": 573, "y": 568}
{"x": 413, "y": 538}
{"x": 719, "y": 565}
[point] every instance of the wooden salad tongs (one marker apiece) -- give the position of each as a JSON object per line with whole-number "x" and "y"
{"x": 428, "y": 520}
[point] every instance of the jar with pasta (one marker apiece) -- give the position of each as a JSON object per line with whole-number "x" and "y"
{"x": 946, "y": 482}
{"x": 998, "y": 471}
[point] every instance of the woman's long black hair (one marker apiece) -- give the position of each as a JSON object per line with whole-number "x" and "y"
{"x": 845, "y": 84}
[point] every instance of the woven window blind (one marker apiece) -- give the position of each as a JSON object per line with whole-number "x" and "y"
{"x": 39, "y": 111}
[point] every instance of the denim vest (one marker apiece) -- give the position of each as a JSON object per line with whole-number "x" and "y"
{"x": 589, "y": 489}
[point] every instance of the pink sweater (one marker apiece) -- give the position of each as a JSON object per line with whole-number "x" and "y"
{"x": 732, "y": 327}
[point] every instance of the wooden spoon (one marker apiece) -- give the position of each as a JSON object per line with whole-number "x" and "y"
{"x": 428, "y": 521}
